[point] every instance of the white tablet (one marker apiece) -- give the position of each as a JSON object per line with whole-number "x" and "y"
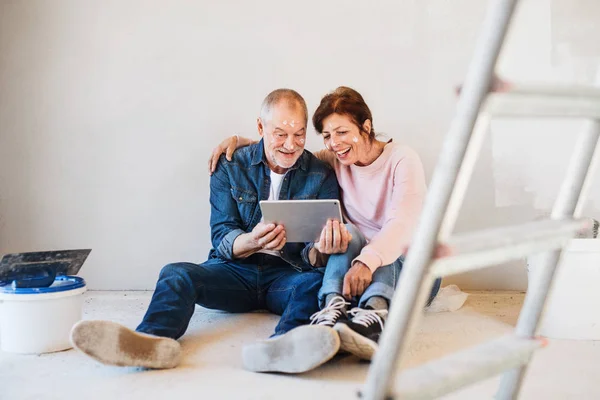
{"x": 303, "y": 219}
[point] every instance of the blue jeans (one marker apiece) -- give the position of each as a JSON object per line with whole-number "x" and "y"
{"x": 383, "y": 282}
{"x": 258, "y": 282}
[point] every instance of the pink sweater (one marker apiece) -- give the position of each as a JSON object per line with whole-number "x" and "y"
{"x": 384, "y": 200}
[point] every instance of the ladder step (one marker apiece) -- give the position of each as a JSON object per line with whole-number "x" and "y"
{"x": 567, "y": 101}
{"x": 455, "y": 371}
{"x": 481, "y": 249}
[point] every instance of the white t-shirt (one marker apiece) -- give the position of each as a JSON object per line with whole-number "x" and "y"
{"x": 276, "y": 180}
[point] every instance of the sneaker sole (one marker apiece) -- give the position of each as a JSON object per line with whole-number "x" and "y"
{"x": 114, "y": 344}
{"x": 301, "y": 349}
{"x": 355, "y": 343}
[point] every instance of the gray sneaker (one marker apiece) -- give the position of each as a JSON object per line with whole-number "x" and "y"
{"x": 114, "y": 344}
{"x": 299, "y": 350}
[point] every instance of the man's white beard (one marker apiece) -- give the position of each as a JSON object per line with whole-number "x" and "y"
{"x": 274, "y": 154}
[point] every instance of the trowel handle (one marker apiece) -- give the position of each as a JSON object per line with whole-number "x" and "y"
{"x": 43, "y": 277}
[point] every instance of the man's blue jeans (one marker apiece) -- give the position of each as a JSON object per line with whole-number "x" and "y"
{"x": 383, "y": 282}
{"x": 258, "y": 282}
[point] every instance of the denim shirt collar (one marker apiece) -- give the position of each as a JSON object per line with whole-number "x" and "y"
{"x": 258, "y": 156}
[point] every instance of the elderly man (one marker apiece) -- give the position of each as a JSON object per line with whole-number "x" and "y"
{"x": 250, "y": 267}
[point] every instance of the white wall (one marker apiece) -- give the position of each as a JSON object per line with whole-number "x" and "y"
{"x": 108, "y": 111}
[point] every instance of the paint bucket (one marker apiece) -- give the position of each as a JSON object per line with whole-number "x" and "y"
{"x": 39, "y": 320}
{"x": 571, "y": 310}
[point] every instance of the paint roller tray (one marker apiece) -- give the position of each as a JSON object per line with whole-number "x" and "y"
{"x": 40, "y": 269}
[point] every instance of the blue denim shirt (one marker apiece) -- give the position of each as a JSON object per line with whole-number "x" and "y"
{"x": 238, "y": 185}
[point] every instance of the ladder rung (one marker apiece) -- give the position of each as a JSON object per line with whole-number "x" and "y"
{"x": 457, "y": 370}
{"x": 568, "y": 101}
{"x": 481, "y": 249}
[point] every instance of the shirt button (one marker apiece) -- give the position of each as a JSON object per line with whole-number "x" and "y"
{"x": 241, "y": 199}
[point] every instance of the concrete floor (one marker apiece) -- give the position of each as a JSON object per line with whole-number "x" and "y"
{"x": 212, "y": 363}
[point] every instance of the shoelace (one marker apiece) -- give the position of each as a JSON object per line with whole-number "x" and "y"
{"x": 367, "y": 317}
{"x": 331, "y": 313}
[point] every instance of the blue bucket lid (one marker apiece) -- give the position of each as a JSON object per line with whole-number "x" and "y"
{"x": 61, "y": 284}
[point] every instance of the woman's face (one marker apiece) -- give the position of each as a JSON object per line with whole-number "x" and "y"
{"x": 343, "y": 137}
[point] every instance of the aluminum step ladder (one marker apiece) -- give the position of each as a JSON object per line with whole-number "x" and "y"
{"x": 476, "y": 107}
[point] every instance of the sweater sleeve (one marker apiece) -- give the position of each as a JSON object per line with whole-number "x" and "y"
{"x": 326, "y": 156}
{"x": 402, "y": 214}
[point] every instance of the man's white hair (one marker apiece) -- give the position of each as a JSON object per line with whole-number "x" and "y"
{"x": 291, "y": 97}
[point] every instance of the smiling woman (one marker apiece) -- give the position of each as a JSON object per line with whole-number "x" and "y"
{"x": 344, "y": 111}
{"x": 383, "y": 189}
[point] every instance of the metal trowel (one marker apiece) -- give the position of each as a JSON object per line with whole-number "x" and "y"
{"x": 39, "y": 269}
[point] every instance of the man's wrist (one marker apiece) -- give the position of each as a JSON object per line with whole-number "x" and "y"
{"x": 245, "y": 246}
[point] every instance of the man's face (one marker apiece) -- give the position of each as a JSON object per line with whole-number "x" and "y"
{"x": 284, "y": 136}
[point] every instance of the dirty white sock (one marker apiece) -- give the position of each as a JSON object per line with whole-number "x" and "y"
{"x": 114, "y": 344}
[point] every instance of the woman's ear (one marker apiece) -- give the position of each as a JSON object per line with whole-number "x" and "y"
{"x": 367, "y": 127}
